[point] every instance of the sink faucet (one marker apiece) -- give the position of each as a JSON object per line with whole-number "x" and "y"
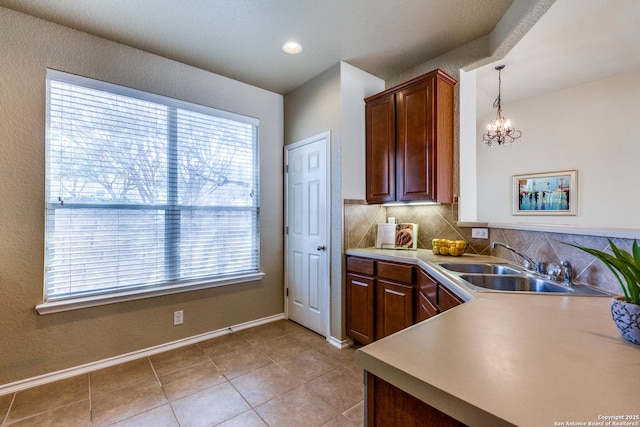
{"x": 530, "y": 264}
{"x": 568, "y": 272}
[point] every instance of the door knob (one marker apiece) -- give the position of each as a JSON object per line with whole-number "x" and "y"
{"x": 321, "y": 247}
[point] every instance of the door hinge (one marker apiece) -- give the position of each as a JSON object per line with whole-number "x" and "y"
{"x": 286, "y": 168}
{"x": 286, "y": 229}
{"x": 287, "y": 291}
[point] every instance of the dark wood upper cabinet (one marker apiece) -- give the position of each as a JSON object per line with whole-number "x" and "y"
{"x": 409, "y": 141}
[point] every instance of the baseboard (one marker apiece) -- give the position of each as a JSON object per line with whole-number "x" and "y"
{"x": 340, "y": 344}
{"x": 105, "y": 363}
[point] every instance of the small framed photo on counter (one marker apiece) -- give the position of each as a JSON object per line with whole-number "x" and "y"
{"x": 550, "y": 193}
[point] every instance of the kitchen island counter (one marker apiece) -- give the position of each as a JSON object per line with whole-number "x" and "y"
{"x": 511, "y": 359}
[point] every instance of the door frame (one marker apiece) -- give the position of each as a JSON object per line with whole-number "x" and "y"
{"x": 326, "y": 297}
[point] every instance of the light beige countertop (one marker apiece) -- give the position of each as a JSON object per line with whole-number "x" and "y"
{"x": 511, "y": 359}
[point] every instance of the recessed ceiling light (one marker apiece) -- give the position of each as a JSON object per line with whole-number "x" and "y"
{"x": 292, "y": 48}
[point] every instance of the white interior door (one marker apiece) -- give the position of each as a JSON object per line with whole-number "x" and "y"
{"x": 307, "y": 233}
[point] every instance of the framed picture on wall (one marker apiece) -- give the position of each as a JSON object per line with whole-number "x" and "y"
{"x": 550, "y": 193}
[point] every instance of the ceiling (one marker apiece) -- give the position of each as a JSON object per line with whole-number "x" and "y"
{"x": 241, "y": 39}
{"x": 576, "y": 41}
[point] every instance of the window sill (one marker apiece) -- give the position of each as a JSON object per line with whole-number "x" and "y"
{"x": 97, "y": 300}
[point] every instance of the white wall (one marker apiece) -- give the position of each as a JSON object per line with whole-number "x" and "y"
{"x": 355, "y": 86}
{"x": 468, "y": 147}
{"x": 593, "y": 128}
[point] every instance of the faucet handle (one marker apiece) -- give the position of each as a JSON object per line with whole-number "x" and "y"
{"x": 554, "y": 270}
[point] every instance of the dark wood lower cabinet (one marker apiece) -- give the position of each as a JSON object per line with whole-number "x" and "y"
{"x": 388, "y": 406}
{"x": 384, "y": 297}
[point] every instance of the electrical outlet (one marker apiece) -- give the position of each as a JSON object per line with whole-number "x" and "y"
{"x": 480, "y": 233}
{"x": 178, "y": 317}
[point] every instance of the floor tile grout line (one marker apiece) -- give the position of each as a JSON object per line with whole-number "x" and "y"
{"x": 241, "y": 395}
{"x": 143, "y": 412}
{"x": 90, "y": 399}
{"x": 168, "y": 402}
{"x": 157, "y": 377}
{"x": 173, "y": 412}
{"x": 37, "y": 414}
{"x": 6, "y": 416}
{"x": 177, "y": 368}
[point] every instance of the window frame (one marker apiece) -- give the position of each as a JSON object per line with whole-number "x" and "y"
{"x": 169, "y": 286}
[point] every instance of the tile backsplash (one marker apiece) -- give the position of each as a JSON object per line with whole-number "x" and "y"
{"x": 439, "y": 221}
{"x": 435, "y": 221}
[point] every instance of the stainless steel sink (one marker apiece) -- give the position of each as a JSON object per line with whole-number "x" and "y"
{"x": 504, "y": 277}
{"x": 515, "y": 283}
{"x": 485, "y": 268}
{"x": 522, "y": 283}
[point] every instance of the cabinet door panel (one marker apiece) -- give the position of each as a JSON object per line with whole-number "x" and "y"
{"x": 360, "y": 308}
{"x": 415, "y": 156}
{"x": 380, "y": 149}
{"x": 394, "y": 308}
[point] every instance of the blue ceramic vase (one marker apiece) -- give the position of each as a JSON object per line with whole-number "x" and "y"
{"x": 626, "y": 316}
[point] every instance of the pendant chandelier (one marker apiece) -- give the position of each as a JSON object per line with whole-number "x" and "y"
{"x": 500, "y": 129}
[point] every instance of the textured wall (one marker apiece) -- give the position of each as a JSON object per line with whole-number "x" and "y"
{"x": 33, "y": 345}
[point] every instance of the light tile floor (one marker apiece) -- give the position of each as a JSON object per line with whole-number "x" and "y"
{"x": 278, "y": 374}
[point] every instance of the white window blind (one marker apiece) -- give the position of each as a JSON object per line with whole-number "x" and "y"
{"x": 144, "y": 191}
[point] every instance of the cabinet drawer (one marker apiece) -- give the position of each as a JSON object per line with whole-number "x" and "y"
{"x": 402, "y": 273}
{"x": 360, "y": 265}
{"x": 447, "y": 299}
